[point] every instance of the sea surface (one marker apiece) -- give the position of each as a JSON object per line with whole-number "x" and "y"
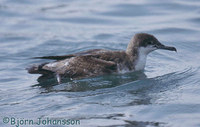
{"x": 167, "y": 94}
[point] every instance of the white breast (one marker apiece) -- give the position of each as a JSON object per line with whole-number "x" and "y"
{"x": 141, "y": 62}
{"x": 142, "y": 56}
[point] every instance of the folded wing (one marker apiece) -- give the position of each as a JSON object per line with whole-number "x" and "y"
{"x": 81, "y": 66}
{"x": 62, "y": 57}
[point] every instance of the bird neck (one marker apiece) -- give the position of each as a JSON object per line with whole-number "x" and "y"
{"x": 140, "y": 62}
{"x": 132, "y": 50}
{"x": 137, "y": 56}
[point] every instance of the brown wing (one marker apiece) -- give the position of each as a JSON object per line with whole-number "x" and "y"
{"x": 88, "y": 52}
{"x": 81, "y": 66}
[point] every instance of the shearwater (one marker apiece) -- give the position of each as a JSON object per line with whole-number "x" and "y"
{"x": 100, "y": 61}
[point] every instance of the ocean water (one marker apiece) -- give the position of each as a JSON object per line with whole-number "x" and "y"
{"x": 167, "y": 94}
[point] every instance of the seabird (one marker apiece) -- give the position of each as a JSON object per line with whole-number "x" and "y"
{"x": 100, "y": 61}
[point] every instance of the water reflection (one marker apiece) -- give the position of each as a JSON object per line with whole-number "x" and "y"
{"x": 62, "y": 27}
{"x": 143, "y": 124}
{"x": 106, "y": 81}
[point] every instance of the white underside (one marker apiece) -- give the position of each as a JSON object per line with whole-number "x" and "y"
{"x": 56, "y": 64}
{"x": 51, "y": 64}
{"x": 141, "y": 62}
{"x": 122, "y": 69}
{"x": 142, "y": 56}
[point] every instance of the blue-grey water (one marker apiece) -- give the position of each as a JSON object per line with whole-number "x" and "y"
{"x": 166, "y": 95}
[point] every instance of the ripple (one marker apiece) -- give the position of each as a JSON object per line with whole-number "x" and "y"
{"x": 80, "y": 20}
{"x": 8, "y": 80}
{"x": 195, "y": 20}
{"x": 129, "y": 10}
{"x": 54, "y": 7}
{"x": 88, "y": 84}
{"x": 173, "y": 30}
{"x": 103, "y": 36}
{"x": 166, "y": 94}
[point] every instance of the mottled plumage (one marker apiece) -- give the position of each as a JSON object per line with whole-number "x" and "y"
{"x": 100, "y": 61}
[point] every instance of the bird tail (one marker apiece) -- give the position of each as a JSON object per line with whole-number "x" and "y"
{"x": 37, "y": 69}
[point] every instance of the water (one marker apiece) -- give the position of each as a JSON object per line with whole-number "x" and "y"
{"x": 166, "y": 95}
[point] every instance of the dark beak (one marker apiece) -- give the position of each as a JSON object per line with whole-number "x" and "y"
{"x": 161, "y": 46}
